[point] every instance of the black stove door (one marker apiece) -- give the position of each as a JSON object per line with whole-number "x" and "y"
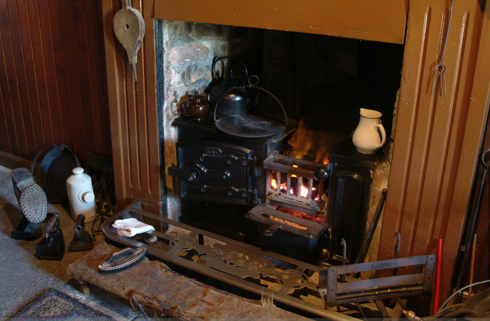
{"x": 213, "y": 171}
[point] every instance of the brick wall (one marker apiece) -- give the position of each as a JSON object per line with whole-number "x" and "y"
{"x": 189, "y": 49}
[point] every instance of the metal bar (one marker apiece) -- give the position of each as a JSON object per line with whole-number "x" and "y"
{"x": 263, "y": 214}
{"x": 288, "y": 184}
{"x": 287, "y": 200}
{"x": 382, "y": 309}
{"x": 279, "y": 201}
{"x": 299, "y": 184}
{"x": 278, "y": 179}
{"x": 289, "y": 169}
{"x": 429, "y": 272}
{"x": 379, "y": 265}
{"x": 372, "y": 228}
{"x": 288, "y": 160}
{"x": 380, "y": 282}
{"x": 310, "y": 189}
{"x": 268, "y": 181}
{"x": 331, "y": 287}
{"x": 381, "y": 295}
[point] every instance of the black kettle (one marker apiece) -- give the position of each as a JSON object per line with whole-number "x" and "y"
{"x": 234, "y": 101}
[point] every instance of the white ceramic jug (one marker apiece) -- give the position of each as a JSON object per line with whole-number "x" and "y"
{"x": 369, "y": 134}
{"x": 81, "y": 195}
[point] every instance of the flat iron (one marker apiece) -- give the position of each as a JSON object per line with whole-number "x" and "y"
{"x": 82, "y": 241}
{"x": 52, "y": 247}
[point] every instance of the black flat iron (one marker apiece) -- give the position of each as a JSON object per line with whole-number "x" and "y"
{"x": 52, "y": 247}
{"x": 82, "y": 241}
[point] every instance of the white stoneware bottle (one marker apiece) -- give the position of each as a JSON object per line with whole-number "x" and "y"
{"x": 370, "y": 133}
{"x": 81, "y": 195}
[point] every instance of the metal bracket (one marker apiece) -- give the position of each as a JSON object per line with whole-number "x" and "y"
{"x": 278, "y": 220}
{"x": 357, "y": 290}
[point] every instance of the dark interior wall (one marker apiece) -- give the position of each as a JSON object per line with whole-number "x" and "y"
{"x": 323, "y": 80}
{"x": 52, "y": 77}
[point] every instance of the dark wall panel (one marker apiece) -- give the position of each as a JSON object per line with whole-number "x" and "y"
{"x": 52, "y": 77}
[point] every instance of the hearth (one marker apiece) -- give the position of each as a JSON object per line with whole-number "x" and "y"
{"x": 321, "y": 82}
{"x": 249, "y": 190}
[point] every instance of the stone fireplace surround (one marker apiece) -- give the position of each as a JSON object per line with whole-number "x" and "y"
{"x": 437, "y": 138}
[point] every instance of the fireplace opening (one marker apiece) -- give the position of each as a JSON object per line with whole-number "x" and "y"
{"x": 266, "y": 191}
{"x": 321, "y": 80}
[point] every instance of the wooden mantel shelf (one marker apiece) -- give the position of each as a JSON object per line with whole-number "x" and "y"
{"x": 378, "y": 20}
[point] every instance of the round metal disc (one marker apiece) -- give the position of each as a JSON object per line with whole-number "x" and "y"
{"x": 249, "y": 126}
{"x": 55, "y": 168}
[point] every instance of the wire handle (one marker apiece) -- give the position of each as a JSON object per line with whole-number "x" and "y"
{"x": 254, "y": 85}
{"x": 229, "y": 57}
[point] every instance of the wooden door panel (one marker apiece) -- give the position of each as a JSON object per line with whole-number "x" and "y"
{"x": 437, "y": 137}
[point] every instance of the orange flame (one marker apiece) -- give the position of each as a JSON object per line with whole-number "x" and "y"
{"x": 305, "y": 144}
{"x": 303, "y": 192}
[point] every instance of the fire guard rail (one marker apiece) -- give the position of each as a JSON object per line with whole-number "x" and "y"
{"x": 286, "y": 280}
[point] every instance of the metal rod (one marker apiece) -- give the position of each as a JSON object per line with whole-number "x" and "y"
{"x": 268, "y": 180}
{"x": 372, "y": 227}
{"x": 288, "y": 184}
{"x": 473, "y": 250}
{"x": 288, "y": 160}
{"x": 278, "y": 179}
{"x": 299, "y": 184}
{"x": 310, "y": 189}
{"x": 473, "y": 223}
{"x": 289, "y": 169}
{"x": 438, "y": 280}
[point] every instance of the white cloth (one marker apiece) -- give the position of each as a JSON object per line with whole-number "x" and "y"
{"x": 131, "y": 226}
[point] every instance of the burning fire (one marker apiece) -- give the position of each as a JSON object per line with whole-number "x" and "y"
{"x": 306, "y": 145}
{"x": 303, "y": 192}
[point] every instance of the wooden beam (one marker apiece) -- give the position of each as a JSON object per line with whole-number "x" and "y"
{"x": 378, "y": 20}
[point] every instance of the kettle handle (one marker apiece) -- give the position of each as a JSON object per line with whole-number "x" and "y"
{"x": 383, "y": 135}
{"x": 229, "y": 57}
{"x": 250, "y": 85}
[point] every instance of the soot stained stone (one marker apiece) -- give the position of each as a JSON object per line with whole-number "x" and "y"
{"x": 188, "y": 53}
{"x": 176, "y": 29}
{"x": 199, "y": 72}
{"x": 176, "y": 75}
{"x": 218, "y": 48}
{"x": 207, "y": 31}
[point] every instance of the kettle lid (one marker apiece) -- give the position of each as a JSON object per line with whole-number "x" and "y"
{"x": 196, "y": 97}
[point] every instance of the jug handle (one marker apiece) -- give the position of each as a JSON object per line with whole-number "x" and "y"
{"x": 383, "y": 135}
{"x": 229, "y": 57}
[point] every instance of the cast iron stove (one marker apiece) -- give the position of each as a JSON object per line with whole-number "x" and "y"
{"x": 222, "y": 177}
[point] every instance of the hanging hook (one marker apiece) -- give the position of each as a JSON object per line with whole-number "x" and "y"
{"x": 440, "y": 68}
{"x": 398, "y": 239}
{"x": 344, "y": 244}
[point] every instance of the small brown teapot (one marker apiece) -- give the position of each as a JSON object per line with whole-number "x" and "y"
{"x": 196, "y": 106}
